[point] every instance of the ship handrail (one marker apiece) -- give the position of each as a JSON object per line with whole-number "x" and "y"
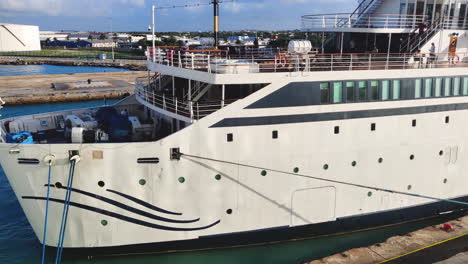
{"x": 310, "y": 62}
{"x": 188, "y": 109}
{"x": 362, "y": 20}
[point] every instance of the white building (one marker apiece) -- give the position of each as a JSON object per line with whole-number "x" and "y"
{"x": 19, "y": 38}
{"x": 44, "y": 35}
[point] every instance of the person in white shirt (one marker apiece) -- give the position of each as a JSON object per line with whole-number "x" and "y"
{"x": 432, "y": 53}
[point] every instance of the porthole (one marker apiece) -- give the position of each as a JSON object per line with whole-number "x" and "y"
{"x": 373, "y": 127}
{"x": 296, "y": 170}
{"x": 274, "y": 134}
{"x": 413, "y": 123}
{"x": 263, "y": 173}
{"x": 447, "y": 119}
{"x": 181, "y": 179}
{"x": 369, "y": 194}
{"x": 325, "y": 167}
{"x": 230, "y": 137}
{"x": 354, "y": 163}
{"x": 411, "y": 157}
{"x": 142, "y": 182}
{"x": 337, "y": 130}
{"x": 441, "y": 153}
{"x": 445, "y": 181}
{"x": 229, "y": 211}
{"x": 104, "y": 222}
{"x": 380, "y": 160}
{"x": 409, "y": 187}
{"x": 101, "y": 184}
{"x": 218, "y": 177}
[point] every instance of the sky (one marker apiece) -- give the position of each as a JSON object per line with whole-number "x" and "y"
{"x": 135, "y": 15}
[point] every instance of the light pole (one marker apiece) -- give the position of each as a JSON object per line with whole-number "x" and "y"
{"x": 153, "y": 36}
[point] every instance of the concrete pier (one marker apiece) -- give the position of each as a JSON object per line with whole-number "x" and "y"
{"x": 429, "y": 245}
{"x": 67, "y": 87}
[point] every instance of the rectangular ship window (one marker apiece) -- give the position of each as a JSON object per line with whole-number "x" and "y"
{"x": 447, "y": 86}
{"x": 362, "y": 85}
{"x": 324, "y": 93}
{"x": 274, "y": 134}
{"x": 350, "y": 93}
{"x": 456, "y": 86}
{"x": 230, "y": 137}
{"x": 438, "y": 87}
{"x": 374, "y": 92}
{"x": 337, "y": 130}
{"x": 418, "y": 88}
{"x": 465, "y": 85}
{"x": 428, "y": 88}
{"x": 337, "y": 92}
{"x": 396, "y": 90}
{"x": 385, "y": 90}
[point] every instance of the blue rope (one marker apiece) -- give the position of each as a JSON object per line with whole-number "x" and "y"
{"x": 46, "y": 216}
{"x": 66, "y": 206}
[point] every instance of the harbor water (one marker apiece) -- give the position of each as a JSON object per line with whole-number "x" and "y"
{"x": 15, "y": 70}
{"x": 19, "y": 245}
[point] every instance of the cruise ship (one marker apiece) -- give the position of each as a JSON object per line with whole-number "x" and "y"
{"x": 220, "y": 148}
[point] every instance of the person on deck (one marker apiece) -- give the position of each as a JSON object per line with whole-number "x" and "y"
{"x": 432, "y": 53}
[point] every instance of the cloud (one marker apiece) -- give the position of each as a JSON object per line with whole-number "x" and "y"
{"x": 64, "y": 7}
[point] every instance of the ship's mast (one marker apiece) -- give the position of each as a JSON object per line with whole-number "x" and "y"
{"x": 216, "y": 22}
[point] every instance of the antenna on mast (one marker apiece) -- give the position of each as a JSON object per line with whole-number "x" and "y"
{"x": 215, "y": 4}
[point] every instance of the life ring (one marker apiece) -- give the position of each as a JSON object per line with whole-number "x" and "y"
{"x": 281, "y": 60}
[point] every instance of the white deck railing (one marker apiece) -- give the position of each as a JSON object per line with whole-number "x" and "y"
{"x": 187, "y": 109}
{"x": 285, "y": 62}
{"x": 356, "y": 20}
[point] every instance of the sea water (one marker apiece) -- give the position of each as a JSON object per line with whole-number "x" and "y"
{"x": 19, "y": 245}
{"x": 15, "y": 70}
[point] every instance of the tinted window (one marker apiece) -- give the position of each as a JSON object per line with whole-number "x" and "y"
{"x": 350, "y": 94}
{"x": 456, "y": 86}
{"x": 447, "y": 86}
{"x": 428, "y": 88}
{"x": 324, "y": 93}
{"x": 337, "y": 92}
{"x": 396, "y": 89}
{"x": 438, "y": 87}
{"x": 385, "y": 90}
{"x": 374, "y": 92}
{"x": 362, "y": 90}
{"x": 465, "y": 85}
{"x": 418, "y": 88}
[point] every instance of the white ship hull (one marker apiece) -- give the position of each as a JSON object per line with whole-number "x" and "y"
{"x": 185, "y": 200}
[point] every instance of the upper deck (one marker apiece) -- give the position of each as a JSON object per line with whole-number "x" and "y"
{"x": 219, "y": 67}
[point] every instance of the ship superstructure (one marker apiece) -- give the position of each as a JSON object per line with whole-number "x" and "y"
{"x": 220, "y": 148}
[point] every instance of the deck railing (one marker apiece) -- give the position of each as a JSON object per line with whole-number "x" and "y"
{"x": 312, "y": 62}
{"x": 357, "y": 20}
{"x": 184, "y": 108}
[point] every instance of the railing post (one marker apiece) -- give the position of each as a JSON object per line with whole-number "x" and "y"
{"x": 404, "y": 61}
{"x": 164, "y": 101}
{"x": 176, "y": 105}
{"x": 331, "y": 58}
{"x": 386, "y": 23}
{"x": 370, "y": 61}
{"x": 193, "y": 61}
{"x": 351, "y": 63}
{"x": 349, "y": 21}
{"x": 180, "y": 60}
{"x": 191, "y": 110}
{"x": 323, "y": 22}
{"x": 198, "y": 112}
{"x": 209, "y": 64}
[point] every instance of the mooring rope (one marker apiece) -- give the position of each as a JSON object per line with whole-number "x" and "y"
{"x": 44, "y": 236}
{"x": 326, "y": 180}
{"x": 66, "y": 206}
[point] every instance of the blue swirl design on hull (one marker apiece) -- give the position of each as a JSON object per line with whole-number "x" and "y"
{"x": 127, "y": 208}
